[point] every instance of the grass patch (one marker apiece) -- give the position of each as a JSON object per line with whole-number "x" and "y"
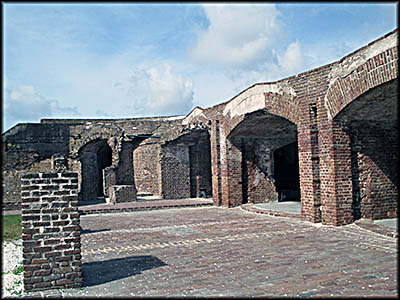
{"x": 12, "y": 227}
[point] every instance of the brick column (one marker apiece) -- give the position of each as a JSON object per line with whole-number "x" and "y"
{"x": 216, "y": 163}
{"x": 335, "y": 173}
{"x": 231, "y": 173}
{"x": 307, "y": 133}
{"x": 50, "y": 231}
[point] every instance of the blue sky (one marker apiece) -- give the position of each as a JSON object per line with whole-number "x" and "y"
{"x": 122, "y": 60}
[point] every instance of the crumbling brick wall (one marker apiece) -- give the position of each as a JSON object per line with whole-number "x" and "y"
{"x": 258, "y": 181}
{"x": 175, "y": 171}
{"x": 28, "y": 148}
{"x": 145, "y": 162}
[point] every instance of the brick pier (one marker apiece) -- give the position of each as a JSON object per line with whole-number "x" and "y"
{"x": 50, "y": 231}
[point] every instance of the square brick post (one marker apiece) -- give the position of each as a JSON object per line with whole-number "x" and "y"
{"x": 50, "y": 231}
{"x": 231, "y": 173}
{"x": 335, "y": 173}
{"x": 216, "y": 162}
{"x": 307, "y": 133}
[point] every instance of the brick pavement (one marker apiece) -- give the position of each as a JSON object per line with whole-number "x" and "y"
{"x": 212, "y": 251}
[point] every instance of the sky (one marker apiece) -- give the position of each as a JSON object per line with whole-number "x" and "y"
{"x": 131, "y": 59}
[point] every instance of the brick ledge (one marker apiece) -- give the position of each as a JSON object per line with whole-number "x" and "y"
{"x": 251, "y": 208}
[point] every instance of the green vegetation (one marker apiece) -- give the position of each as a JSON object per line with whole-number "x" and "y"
{"x": 18, "y": 270}
{"x": 12, "y": 228}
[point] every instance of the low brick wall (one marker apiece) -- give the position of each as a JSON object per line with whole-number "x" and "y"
{"x": 51, "y": 231}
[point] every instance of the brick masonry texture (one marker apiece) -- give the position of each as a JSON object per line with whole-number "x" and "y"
{"x": 342, "y": 117}
{"x": 51, "y": 231}
{"x": 146, "y": 160}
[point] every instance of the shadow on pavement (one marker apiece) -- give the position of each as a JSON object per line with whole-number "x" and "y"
{"x": 99, "y": 272}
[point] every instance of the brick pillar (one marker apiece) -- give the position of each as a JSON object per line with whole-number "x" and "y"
{"x": 120, "y": 180}
{"x": 50, "y": 231}
{"x": 90, "y": 176}
{"x": 307, "y": 133}
{"x": 231, "y": 173}
{"x": 125, "y": 171}
{"x": 216, "y": 163}
{"x": 110, "y": 179}
{"x": 335, "y": 173}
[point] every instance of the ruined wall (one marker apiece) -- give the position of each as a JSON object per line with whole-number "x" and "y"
{"x": 45, "y": 139}
{"x": 28, "y": 148}
{"x": 145, "y": 162}
{"x": 175, "y": 171}
{"x": 258, "y": 181}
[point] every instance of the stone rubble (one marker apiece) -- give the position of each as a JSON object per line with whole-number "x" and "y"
{"x": 12, "y": 258}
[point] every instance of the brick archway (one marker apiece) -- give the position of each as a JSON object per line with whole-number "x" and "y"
{"x": 349, "y": 79}
{"x": 232, "y": 184}
{"x": 94, "y": 157}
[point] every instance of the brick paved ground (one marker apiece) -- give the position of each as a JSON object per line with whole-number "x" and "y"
{"x": 211, "y": 251}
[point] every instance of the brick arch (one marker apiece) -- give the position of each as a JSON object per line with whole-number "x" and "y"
{"x": 277, "y": 99}
{"x": 374, "y": 72}
{"x": 88, "y": 133}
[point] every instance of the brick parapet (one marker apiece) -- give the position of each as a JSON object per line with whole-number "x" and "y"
{"x": 51, "y": 231}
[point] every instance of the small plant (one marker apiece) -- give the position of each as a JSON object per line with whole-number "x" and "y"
{"x": 17, "y": 293}
{"x": 18, "y": 270}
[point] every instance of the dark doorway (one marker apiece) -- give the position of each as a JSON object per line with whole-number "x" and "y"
{"x": 94, "y": 157}
{"x": 286, "y": 172}
{"x": 200, "y": 165}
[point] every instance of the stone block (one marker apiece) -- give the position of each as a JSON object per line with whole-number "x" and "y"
{"x": 122, "y": 193}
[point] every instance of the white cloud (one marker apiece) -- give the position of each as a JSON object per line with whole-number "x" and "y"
{"x": 292, "y": 60}
{"x": 157, "y": 90}
{"x": 238, "y": 35}
{"x": 23, "y": 103}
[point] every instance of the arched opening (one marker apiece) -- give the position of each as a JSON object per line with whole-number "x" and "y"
{"x": 286, "y": 172}
{"x": 94, "y": 157}
{"x": 371, "y": 124}
{"x": 269, "y": 157}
